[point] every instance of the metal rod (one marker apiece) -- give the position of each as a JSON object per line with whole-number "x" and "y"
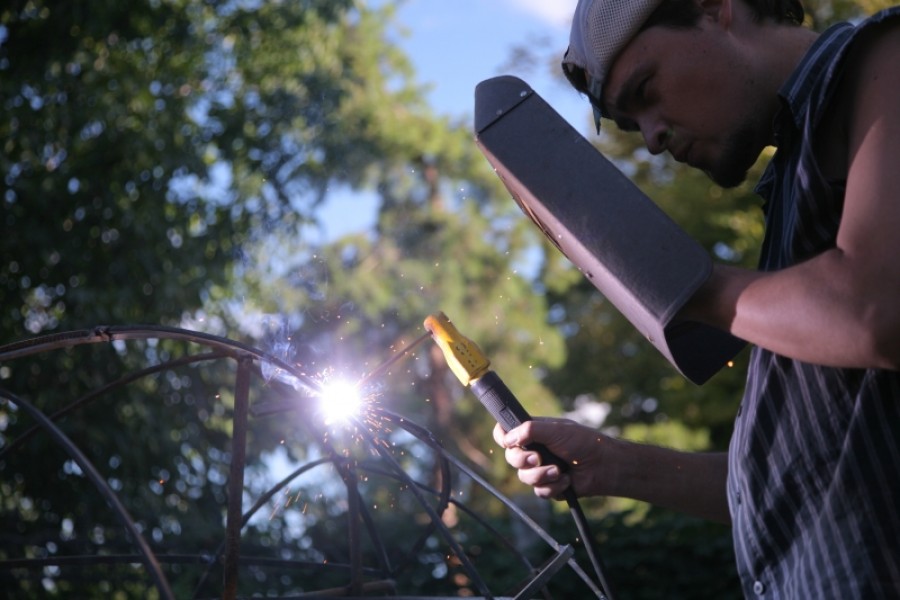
{"x": 397, "y": 356}
{"x": 548, "y": 570}
{"x": 443, "y": 495}
{"x": 458, "y": 550}
{"x": 106, "y": 333}
{"x": 159, "y": 578}
{"x": 122, "y": 381}
{"x": 236, "y": 477}
{"x": 348, "y": 474}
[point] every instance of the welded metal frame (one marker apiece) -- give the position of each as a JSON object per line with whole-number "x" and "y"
{"x": 362, "y": 580}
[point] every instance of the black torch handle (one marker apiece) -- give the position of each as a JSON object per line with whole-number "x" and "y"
{"x": 509, "y": 412}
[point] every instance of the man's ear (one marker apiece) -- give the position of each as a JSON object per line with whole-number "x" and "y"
{"x": 720, "y": 11}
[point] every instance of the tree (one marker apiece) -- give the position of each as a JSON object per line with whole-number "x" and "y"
{"x": 218, "y": 130}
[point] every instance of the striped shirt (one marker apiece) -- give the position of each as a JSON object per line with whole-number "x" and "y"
{"x": 814, "y": 463}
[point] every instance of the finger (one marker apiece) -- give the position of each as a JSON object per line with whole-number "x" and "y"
{"x": 499, "y": 435}
{"x": 541, "y": 476}
{"x": 555, "y": 490}
{"x": 521, "y": 458}
{"x": 541, "y": 430}
{"x": 518, "y": 436}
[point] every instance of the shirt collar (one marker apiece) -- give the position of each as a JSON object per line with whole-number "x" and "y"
{"x": 797, "y": 92}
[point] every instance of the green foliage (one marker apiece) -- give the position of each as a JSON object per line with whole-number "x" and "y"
{"x": 93, "y": 119}
{"x": 668, "y": 555}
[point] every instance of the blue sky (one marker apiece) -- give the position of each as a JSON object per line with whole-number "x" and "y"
{"x": 455, "y": 44}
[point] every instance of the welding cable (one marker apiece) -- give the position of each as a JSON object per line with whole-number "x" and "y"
{"x": 590, "y": 545}
{"x": 509, "y": 413}
{"x": 472, "y": 368}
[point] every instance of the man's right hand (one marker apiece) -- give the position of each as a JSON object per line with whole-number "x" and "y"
{"x": 582, "y": 448}
{"x": 599, "y": 465}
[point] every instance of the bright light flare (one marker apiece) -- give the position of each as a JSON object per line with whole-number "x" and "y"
{"x": 340, "y": 400}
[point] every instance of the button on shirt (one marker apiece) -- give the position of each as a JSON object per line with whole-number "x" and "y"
{"x": 814, "y": 463}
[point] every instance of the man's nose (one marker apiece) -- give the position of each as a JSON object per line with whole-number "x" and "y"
{"x": 656, "y": 135}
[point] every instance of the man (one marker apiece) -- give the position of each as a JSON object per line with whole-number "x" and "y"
{"x": 811, "y": 481}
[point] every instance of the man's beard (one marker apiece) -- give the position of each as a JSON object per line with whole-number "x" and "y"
{"x": 739, "y": 154}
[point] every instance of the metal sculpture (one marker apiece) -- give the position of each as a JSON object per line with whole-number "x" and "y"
{"x": 283, "y": 395}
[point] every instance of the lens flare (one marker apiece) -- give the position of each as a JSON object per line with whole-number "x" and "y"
{"x": 339, "y": 400}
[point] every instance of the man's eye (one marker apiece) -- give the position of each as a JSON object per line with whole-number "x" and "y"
{"x": 640, "y": 93}
{"x": 627, "y": 125}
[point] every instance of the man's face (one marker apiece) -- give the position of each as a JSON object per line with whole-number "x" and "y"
{"x": 692, "y": 92}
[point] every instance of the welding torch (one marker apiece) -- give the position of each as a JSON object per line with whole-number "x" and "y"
{"x": 472, "y": 368}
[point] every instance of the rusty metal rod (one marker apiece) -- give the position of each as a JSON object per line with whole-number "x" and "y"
{"x": 348, "y": 474}
{"x": 236, "y": 477}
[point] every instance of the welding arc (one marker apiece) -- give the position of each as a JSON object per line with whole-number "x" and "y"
{"x": 380, "y": 369}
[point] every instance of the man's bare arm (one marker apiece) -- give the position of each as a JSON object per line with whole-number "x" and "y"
{"x": 692, "y": 483}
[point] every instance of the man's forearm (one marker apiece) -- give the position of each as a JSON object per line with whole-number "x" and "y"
{"x": 828, "y": 310}
{"x": 689, "y": 482}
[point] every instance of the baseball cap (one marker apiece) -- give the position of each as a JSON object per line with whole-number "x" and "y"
{"x": 600, "y": 29}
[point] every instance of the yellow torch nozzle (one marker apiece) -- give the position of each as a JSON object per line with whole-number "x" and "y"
{"x": 463, "y": 356}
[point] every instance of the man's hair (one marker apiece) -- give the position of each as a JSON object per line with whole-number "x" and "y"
{"x": 787, "y": 12}
{"x": 685, "y": 14}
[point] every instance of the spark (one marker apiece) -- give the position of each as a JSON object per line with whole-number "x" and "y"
{"x": 340, "y": 400}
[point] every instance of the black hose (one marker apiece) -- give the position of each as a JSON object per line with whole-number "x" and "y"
{"x": 590, "y": 545}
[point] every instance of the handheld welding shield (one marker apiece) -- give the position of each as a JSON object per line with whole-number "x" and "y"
{"x": 626, "y": 246}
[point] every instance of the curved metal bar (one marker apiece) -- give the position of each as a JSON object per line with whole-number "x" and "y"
{"x": 182, "y": 559}
{"x": 444, "y": 495}
{"x": 94, "y": 394}
{"x": 380, "y": 550}
{"x": 108, "y": 494}
{"x": 522, "y": 515}
{"x": 52, "y": 341}
{"x": 435, "y": 517}
{"x": 338, "y": 461}
{"x": 111, "y": 333}
{"x": 495, "y": 533}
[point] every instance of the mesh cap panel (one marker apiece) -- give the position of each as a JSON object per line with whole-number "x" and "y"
{"x": 600, "y": 29}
